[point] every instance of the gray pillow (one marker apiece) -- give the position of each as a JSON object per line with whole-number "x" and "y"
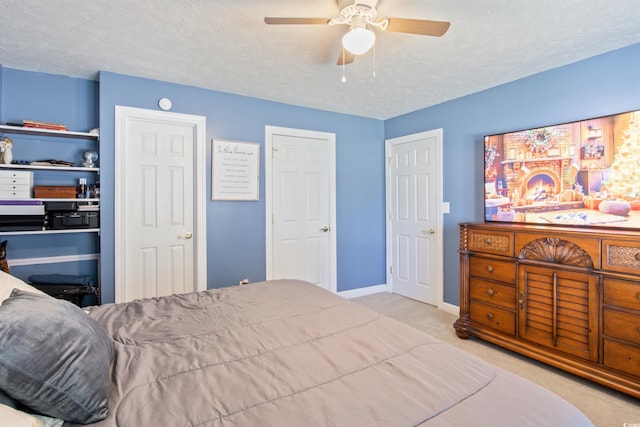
{"x": 6, "y": 400}
{"x": 54, "y": 358}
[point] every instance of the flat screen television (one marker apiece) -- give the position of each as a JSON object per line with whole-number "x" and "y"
{"x": 583, "y": 173}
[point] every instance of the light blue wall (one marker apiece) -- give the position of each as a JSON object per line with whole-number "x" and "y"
{"x": 236, "y": 230}
{"x": 597, "y": 86}
{"x": 601, "y": 85}
{"x": 50, "y": 98}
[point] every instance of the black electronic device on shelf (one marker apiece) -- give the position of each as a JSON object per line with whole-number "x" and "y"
{"x": 65, "y": 215}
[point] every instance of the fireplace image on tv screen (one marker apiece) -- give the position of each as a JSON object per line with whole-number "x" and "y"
{"x": 584, "y": 173}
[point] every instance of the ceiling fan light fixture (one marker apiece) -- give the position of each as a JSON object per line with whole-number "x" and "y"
{"x": 358, "y": 40}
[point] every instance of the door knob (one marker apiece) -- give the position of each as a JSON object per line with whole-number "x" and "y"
{"x": 187, "y": 235}
{"x": 325, "y": 229}
{"x": 429, "y": 231}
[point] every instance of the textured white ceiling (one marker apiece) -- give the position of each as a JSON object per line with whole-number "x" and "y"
{"x": 225, "y": 45}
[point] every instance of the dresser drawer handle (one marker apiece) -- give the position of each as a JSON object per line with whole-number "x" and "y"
{"x": 490, "y": 269}
{"x": 490, "y": 292}
{"x": 637, "y": 256}
{"x": 487, "y": 241}
{"x": 490, "y": 317}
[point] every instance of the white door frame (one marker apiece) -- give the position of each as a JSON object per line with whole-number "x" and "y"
{"x": 122, "y": 116}
{"x": 268, "y": 162}
{"x": 438, "y": 262}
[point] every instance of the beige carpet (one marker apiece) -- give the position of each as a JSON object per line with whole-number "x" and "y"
{"x": 603, "y": 406}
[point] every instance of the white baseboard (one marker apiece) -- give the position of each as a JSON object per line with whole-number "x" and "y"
{"x": 53, "y": 259}
{"x": 360, "y": 292}
{"x": 449, "y": 308}
{"x": 376, "y": 289}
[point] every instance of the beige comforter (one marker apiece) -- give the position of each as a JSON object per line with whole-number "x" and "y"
{"x": 287, "y": 353}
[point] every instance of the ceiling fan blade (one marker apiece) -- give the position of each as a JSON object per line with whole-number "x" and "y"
{"x": 296, "y": 21}
{"x": 345, "y": 57}
{"x": 418, "y": 26}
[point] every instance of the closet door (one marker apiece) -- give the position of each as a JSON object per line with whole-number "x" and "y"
{"x": 558, "y": 309}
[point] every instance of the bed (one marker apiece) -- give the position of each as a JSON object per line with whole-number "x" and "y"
{"x": 275, "y": 353}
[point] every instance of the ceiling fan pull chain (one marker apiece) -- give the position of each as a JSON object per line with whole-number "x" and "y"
{"x": 374, "y": 60}
{"x": 344, "y": 77}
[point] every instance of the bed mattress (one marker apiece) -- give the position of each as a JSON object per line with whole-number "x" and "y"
{"x": 288, "y": 353}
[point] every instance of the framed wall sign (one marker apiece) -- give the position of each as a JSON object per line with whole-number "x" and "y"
{"x": 235, "y": 171}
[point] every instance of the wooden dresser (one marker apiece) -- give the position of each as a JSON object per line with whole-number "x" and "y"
{"x": 568, "y": 297}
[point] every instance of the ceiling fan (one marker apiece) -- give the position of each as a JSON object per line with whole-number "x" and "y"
{"x": 361, "y": 16}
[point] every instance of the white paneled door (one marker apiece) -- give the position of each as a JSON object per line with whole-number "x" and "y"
{"x": 159, "y": 229}
{"x": 414, "y": 242}
{"x": 301, "y": 206}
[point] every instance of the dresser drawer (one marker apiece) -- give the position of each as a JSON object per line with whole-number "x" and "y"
{"x": 15, "y": 187}
{"x": 15, "y": 194}
{"x": 622, "y": 293}
{"x": 16, "y": 175}
{"x": 494, "y": 317}
{"x": 24, "y": 180}
{"x": 503, "y": 271}
{"x": 494, "y": 293}
{"x": 491, "y": 242}
{"x": 622, "y": 256}
{"x": 623, "y": 357}
{"x": 625, "y": 326}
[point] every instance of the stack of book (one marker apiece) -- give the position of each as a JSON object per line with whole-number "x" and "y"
{"x": 43, "y": 125}
{"x": 22, "y": 215}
